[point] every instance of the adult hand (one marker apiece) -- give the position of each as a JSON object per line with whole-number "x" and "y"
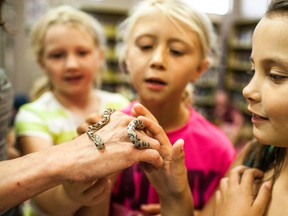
{"x": 236, "y": 195}
{"x": 88, "y": 163}
{"x": 88, "y": 193}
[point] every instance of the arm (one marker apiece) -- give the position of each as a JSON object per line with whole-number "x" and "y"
{"x": 63, "y": 199}
{"x": 27, "y": 176}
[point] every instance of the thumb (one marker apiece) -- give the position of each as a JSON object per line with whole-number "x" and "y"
{"x": 177, "y": 157}
{"x": 263, "y": 197}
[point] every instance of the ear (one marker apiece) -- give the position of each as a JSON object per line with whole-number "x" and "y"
{"x": 203, "y": 66}
{"x": 40, "y": 62}
{"x": 101, "y": 57}
{"x": 124, "y": 62}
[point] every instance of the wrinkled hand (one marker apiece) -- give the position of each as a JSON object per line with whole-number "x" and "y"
{"x": 236, "y": 195}
{"x": 88, "y": 193}
{"x": 119, "y": 152}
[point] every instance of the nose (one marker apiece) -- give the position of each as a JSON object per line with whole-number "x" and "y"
{"x": 158, "y": 60}
{"x": 71, "y": 61}
{"x": 251, "y": 92}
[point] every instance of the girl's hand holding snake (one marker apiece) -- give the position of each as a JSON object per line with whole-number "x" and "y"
{"x": 170, "y": 181}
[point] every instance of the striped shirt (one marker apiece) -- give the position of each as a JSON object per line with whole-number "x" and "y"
{"x": 48, "y": 119}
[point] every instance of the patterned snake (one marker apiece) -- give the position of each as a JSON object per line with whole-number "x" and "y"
{"x": 131, "y": 130}
{"x": 95, "y": 127}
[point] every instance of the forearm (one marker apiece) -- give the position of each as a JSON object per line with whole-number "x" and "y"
{"x": 177, "y": 205}
{"x": 25, "y": 177}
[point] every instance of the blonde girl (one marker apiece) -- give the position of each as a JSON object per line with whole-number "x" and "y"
{"x": 166, "y": 45}
{"x": 69, "y": 47}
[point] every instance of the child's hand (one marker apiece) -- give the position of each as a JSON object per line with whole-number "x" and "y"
{"x": 170, "y": 182}
{"x": 151, "y": 209}
{"x": 91, "y": 119}
{"x": 236, "y": 195}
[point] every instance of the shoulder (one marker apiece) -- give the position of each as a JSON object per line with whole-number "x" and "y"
{"x": 46, "y": 100}
{"x": 42, "y": 108}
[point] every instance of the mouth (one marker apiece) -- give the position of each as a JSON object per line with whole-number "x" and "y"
{"x": 73, "y": 78}
{"x": 155, "y": 81}
{"x": 258, "y": 117}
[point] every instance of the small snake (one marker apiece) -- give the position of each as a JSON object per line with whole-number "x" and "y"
{"x": 95, "y": 127}
{"x": 131, "y": 130}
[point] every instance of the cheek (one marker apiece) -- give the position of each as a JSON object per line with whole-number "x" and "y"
{"x": 136, "y": 80}
{"x": 52, "y": 71}
{"x": 277, "y": 112}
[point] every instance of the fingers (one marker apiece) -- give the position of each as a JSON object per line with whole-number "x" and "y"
{"x": 82, "y": 128}
{"x": 177, "y": 156}
{"x": 151, "y": 209}
{"x": 99, "y": 191}
{"x": 150, "y": 156}
{"x": 223, "y": 187}
{"x": 218, "y": 198}
{"x": 244, "y": 175}
{"x": 236, "y": 173}
{"x": 91, "y": 119}
{"x": 159, "y": 134}
{"x": 263, "y": 197}
{"x": 139, "y": 110}
{"x": 250, "y": 176}
{"x": 178, "y": 151}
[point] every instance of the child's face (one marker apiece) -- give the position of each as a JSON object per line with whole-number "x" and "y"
{"x": 70, "y": 59}
{"x": 162, "y": 58}
{"x": 267, "y": 92}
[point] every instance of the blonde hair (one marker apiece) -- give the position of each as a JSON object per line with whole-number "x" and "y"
{"x": 175, "y": 10}
{"x": 66, "y": 15}
{"x": 69, "y": 16}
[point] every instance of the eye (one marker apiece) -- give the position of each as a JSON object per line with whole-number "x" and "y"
{"x": 276, "y": 78}
{"x": 146, "y": 47}
{"x": 83, "y": 53}
{"x": 176, "y": 52}
{"x": 57, "y": 55}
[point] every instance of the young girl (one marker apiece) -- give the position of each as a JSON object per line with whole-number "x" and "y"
{"x": 266, "y": 95}
{"x": 167, "y": 45}
{"x": 69, "y": 47}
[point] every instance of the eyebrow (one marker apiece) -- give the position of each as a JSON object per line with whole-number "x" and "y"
{"x": 274, "y": 61}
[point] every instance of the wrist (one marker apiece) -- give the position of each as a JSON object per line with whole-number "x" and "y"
{"x": 178, "y": 204}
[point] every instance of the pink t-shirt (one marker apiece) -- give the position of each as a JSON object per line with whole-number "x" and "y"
{"x": 208, "y": 155}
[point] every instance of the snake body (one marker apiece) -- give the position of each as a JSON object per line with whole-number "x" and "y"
{"x": 131, "y": 130}
{"x": 95, "y": 127}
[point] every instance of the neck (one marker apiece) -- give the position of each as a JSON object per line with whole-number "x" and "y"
{"x": 82, "y": 104}
{"x": 171, "y": 115}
